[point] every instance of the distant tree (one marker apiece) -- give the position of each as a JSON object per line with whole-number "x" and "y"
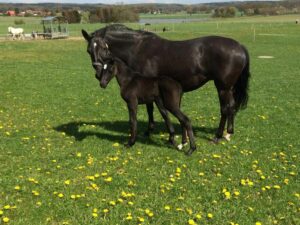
{"x": 114, "y": 14}
{"x": 85, "y": 17}
{"x": 17, "y": 11}
{"x": 224, "y": 12}
{"x": 72, "y": 16}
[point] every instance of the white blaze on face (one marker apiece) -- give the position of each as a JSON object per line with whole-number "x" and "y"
{"x": 105, "y": 66}
{"x": 95, "y": 45}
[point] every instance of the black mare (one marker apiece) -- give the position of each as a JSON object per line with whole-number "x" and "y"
{"x": 136, "y": 89}
{"x": 192, "y": 63}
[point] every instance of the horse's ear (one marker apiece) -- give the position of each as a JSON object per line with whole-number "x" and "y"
{"x": 85, "y": 35}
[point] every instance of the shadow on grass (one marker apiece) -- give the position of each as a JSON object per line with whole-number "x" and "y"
{"x": 76, "y": 130}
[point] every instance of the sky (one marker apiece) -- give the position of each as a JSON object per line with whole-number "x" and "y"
{"x": 117, "y": 1}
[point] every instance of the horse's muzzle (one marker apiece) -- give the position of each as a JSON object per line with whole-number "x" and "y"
{"x": 103, "y": 84}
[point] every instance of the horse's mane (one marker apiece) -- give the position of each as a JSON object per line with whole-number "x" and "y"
{"x": 120, "y": 29}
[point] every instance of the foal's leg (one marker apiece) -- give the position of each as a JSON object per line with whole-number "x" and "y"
{"x": 151, "y": 119}
{"x": 169, "y": 125}
{"x": 185, "y": 123}
{"x": 132, "y": 109}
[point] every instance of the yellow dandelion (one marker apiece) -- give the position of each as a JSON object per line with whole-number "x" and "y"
{"x": 35, "y": 193}
{"x": 129, "y": 216}
{"x": 95, "y": 215}
{"x": 17, "y": 188}
{"x": 7, "y": 207}
{"x": 178, "y": 170}
{"x": 112, "y": 203}
{"x": 172, "y": 179}
{"x": 5, "y": 219}
{"x": 109, "y": 179}
{"x": 227, "y": 194}
{"x": 210, "y": 216}
{"x": 60, "y": 195}
{"x": 167, "y": 207}
{"x": 105, "y": 211}
{"x": 276, "y": 187}
{"x": 116, "y": 144}
{"x": 38, "y": 203}
{"x": 1, "y": 212}
{"x": 198, "y": 216}
{"x": 67, "y": 182}
{"x": 141, "y": 219}
{"x": 258, "y": 223}
{"x": 236, "y": 193}
{"x": 191, "y": 222}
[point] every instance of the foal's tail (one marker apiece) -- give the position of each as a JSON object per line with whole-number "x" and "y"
{"x": 242, "y": 84}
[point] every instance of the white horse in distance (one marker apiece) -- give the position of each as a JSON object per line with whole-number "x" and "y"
{"x": 16, "y": 32}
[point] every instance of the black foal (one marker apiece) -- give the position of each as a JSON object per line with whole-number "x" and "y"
{"x": 136, "y": 89}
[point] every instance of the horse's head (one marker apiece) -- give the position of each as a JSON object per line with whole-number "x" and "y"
{"x": 101, "y": 57}
{"x": 9, "y": 29}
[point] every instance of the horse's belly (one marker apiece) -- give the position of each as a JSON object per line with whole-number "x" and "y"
{"x": 190, "y": 83}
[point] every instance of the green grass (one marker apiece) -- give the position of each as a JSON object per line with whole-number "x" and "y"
{"x": 58, "y": 135}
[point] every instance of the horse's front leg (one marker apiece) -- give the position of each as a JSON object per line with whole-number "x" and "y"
{"x": 150, "y": 119}
{"x": 132, "y": 109}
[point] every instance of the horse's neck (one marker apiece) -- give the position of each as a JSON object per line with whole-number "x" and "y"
{"x": 120, "y": 47}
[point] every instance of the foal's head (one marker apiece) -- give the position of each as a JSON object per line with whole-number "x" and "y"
{"x": 101, "y": 57}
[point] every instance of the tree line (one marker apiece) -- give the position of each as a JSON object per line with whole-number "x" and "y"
{"x": 82, "y": 13}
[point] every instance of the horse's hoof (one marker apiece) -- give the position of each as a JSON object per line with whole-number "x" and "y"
{"x": 189, "y": 152}
{"x": 147, "y": 133}
{"x": 128, "y": 145}
{"x": 215, "y": 140}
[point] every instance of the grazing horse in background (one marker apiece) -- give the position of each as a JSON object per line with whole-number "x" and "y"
{"x": 192, "y": 63}
{"x": 16, "y": 32}
{"x": 136, "y": 89}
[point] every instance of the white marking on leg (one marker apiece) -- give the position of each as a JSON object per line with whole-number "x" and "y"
{"x": 227, "y": 137}
{"x": 180, "y": 146}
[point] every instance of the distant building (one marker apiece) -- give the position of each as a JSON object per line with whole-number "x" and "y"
{"x": 11, "y": 13}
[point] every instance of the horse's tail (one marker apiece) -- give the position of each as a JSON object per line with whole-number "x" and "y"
{"x": 242, "y": 84}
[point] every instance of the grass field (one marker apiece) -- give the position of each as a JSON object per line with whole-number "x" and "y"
{"x": 62, "y": 159}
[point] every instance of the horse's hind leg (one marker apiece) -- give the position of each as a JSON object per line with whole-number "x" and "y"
{"x": 169, "y": 125}
{"x": 150, "y": 119}
{"x": 223, "y": 98}
{"x": 231, "y": 113}
{"x": 227, "y": 104}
